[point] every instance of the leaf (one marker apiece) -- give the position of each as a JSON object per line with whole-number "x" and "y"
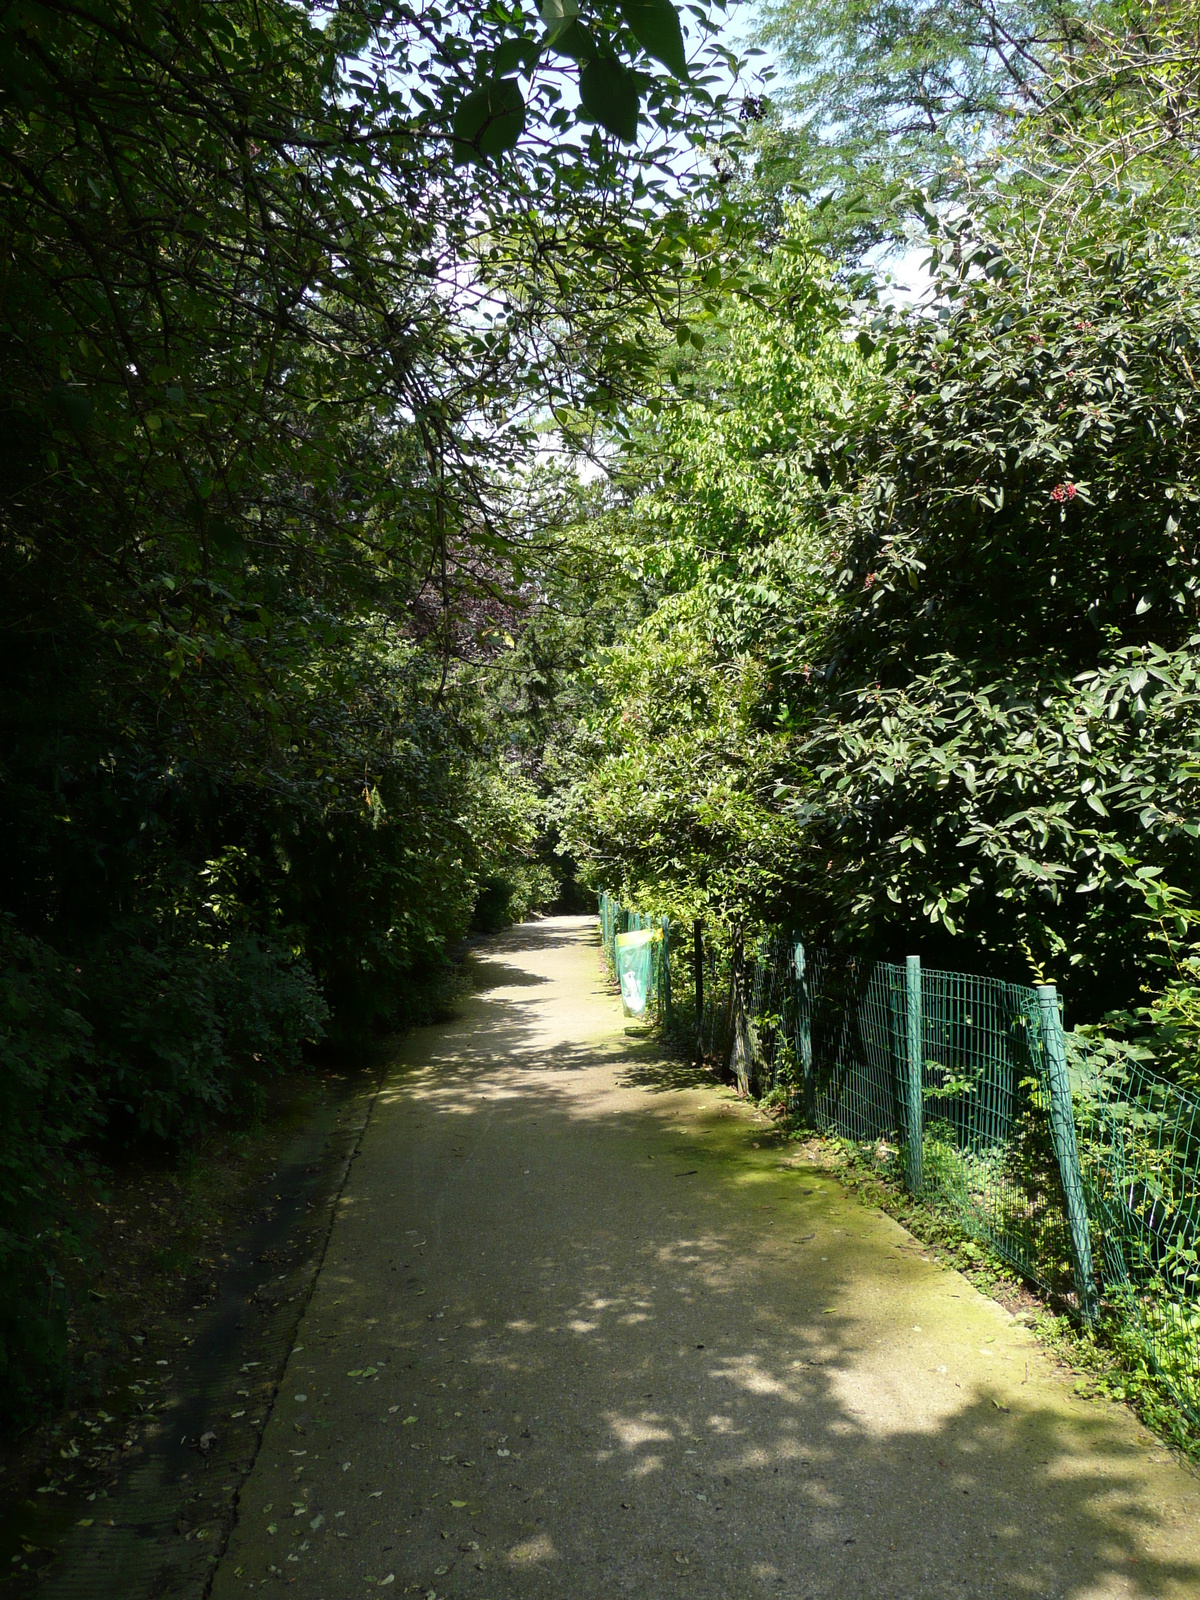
{"x": 489, "y": 121}
{"x": 608, "y": 92}
{"x": 655, "y": 26}
{"x": 573, "y": 40}
{"x": 558, "y": 15}
{"x": 74, "y": 406}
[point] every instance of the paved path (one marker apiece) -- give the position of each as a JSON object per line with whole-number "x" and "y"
{"x": 580, "y": 1333}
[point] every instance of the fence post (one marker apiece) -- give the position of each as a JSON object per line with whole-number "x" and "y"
{"x": 914, "y": 1055}
{"x": 698, "y": 978}
{"x": 1062, "y": 1132}
{"x": 735, "y": 979}
{"x": 665, "y": 979}
{"x": 804, "y": 1031}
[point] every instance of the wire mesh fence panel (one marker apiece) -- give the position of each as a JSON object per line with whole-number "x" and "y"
{"x": 854, "y": 1023}
{"x": 775, "y": 1019}
{"x": 969, "y": 1067}
{"x": 714, "y": 1029}
{"x": 1139, "y": 1148}
{"x": 986, "y": 1145}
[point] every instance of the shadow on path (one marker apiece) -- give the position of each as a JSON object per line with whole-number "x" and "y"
{"x": 580, "y": 1337}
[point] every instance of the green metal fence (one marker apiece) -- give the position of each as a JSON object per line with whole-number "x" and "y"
{"x": 1068, "y": 1155}
{"x": 616, "y": 918}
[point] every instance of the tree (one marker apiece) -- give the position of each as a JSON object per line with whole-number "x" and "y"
{"x": 881, "y": 99}
{"x": 289, "y": 292}
{"x": 713, "y": 504}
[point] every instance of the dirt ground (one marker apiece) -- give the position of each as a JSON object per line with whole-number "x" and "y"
{"x": 581, "y": 1330}
{"x": 202, "y": 1275}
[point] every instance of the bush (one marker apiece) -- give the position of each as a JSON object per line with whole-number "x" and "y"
{"x": 514, "y": 895}
{"x": 48, "y": 1106}
{"x": 185, "y": 1032}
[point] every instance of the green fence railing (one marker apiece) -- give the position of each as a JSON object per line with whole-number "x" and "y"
{"x": 1068, "y": 1155}
{"x": 616, "y": 918}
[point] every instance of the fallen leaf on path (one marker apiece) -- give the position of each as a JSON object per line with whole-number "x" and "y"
{"x": 458, "y": 1504}
{"x": 407, "y": 1420}
{"x": 391, "y": 1578}
{"x": 374, "y": 1494}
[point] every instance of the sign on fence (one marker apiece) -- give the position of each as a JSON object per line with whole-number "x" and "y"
{"x": 636, "y": 963}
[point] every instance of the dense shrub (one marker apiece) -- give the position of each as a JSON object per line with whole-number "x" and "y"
{"x": 49, "y": 1107}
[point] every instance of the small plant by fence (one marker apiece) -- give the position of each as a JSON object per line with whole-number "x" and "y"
{"x": 1068, "y": 1155}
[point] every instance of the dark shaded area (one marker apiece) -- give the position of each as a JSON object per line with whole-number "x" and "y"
{"x": 124, "y": 1529}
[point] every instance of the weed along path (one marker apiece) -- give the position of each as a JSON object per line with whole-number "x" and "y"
{"x": 584, "y": 1330}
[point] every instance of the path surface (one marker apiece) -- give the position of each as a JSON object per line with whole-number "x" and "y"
{"x": 580, "y": 1333}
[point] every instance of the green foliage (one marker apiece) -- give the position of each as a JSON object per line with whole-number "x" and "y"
{"x": 671, "y": 808}
{"x": 48, "y": 1107}
{"x": 950, "y": 555}
{"x": 1004, "y": 733}
{"x": 673, "y": 803}
{"x": 878, "y": 100}
{"x": 289, "y": 292}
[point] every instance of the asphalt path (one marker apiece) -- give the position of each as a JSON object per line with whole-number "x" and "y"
{"x": 583, "y": 1329}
